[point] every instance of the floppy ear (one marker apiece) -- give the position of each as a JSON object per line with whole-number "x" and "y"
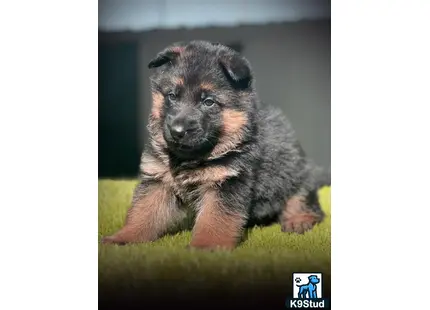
{"x": 167, "y": 55}
{"x": 237, "y": 70}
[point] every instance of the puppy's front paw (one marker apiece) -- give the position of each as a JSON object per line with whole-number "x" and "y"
{"x": 112, "y": 240}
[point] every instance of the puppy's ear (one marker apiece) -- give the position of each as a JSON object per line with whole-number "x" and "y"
{"x": 237, "y": 70}
{"x": 167, "y": 55}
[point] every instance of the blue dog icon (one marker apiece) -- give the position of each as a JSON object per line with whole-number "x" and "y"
{"x": 309, "y": 289}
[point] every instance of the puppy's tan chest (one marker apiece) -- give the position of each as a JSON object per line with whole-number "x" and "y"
{"x": 186, "y": 186}
{"x": 187, "y": 183}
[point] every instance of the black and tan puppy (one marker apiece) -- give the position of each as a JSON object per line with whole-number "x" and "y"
{"x": 215, "y": 150}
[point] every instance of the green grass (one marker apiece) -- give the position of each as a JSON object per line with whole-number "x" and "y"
{"x": 266, "y": 255}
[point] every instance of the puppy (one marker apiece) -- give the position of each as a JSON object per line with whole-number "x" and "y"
{"x": 215, "y": 149}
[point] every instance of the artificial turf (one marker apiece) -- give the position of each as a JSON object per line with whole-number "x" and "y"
{"x": 266, "y": 256}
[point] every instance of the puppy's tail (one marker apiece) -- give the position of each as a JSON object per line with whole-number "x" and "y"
{"x": 322, "y": 177}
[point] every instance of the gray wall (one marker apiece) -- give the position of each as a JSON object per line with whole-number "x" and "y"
{"x": 291, "y": 63}
{"x": 144, "y": 15}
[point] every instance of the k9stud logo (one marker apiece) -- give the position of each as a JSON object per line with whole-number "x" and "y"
{"x": 307, "y": 291}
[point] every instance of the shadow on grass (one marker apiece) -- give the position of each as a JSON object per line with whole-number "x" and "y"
{"x": 189, "y": 294}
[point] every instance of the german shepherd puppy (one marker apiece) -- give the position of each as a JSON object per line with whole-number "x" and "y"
{"x": 215, "y": 149}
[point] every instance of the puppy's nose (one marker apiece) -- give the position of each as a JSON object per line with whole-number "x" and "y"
{"x": 177, "y": 131}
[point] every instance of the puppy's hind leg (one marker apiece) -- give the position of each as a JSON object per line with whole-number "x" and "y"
{"x": 301, "y": 213}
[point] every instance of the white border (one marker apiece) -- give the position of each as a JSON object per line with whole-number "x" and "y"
{"x": 380, "y": 154}
{"x": 48, "y": 134}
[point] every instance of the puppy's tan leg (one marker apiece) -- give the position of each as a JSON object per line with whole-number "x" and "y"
{"x": 301, "y": 213}
{"x": 154, "y": 209}
{"x": 216, "y": 226}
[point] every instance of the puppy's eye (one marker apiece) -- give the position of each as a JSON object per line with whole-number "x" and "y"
{"x": 172, "y": 96}
{"x": 208, "y": 102}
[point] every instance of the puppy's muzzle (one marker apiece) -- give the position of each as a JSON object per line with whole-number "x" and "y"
{"x": 179, "y": 127}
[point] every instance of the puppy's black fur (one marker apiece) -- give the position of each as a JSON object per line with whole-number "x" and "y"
{"x": 215, "y": 149}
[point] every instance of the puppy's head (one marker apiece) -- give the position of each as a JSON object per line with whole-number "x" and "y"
{"x": 202, "y": 98}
